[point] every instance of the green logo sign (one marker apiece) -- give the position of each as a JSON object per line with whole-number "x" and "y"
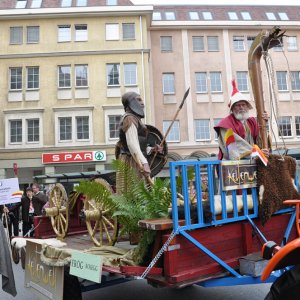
{"x": 99, "y": 155}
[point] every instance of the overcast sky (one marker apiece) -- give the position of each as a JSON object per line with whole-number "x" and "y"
{"x": 219, "y": 2}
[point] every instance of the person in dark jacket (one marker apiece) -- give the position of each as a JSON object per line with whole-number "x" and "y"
{"x": 39, "y": 199}
{"x": 12, "y": 219}
{"x": 27, "y": 210}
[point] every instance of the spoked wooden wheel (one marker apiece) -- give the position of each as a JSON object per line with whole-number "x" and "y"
{"x": 102, "y": 227}
{"x": 58, "y": 210}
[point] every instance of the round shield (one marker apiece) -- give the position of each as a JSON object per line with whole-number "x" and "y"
{"x": 156, "y": 160}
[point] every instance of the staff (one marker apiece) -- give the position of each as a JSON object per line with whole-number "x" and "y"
{"x": 170, "y": 126}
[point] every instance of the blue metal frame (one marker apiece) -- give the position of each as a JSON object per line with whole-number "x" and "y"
{"x": 180, "y": 168}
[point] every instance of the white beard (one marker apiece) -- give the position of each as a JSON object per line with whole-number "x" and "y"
{"x": 242, "y": 115}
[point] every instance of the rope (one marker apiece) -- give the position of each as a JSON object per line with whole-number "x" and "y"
{"x": 159, "y": 254}
{"x": 273, "y": 96}
{"x": 32, "y": 229}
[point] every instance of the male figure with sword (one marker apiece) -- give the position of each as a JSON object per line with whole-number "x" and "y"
{"x": 133, "y": 147}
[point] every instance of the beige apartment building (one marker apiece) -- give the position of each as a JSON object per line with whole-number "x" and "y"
{"x": 204, "y": 47}
{"x": 65, "y": 65}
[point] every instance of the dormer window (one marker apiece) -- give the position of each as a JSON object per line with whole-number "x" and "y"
{"x": 207, "y": 15}
{"x": 170, "y": 15}
{"x": 156, "y": 16}
{"x": 36, "y": 3}
{"x": 81, "y": 2}
{"x": 246, "y": 15}
{"x": 271, "y": 16}
{"x": 194, "y": 15}
{"x": 111, "y": 2}
{"x": 283, "y": 16}
{"x": 233, "y": 15}
{"x": 21, "y": 3}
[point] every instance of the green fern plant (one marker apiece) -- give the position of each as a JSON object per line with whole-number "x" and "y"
{"x": 139, "y": 201}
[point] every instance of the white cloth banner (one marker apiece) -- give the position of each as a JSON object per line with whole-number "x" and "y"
{"x": 10, "y": 191}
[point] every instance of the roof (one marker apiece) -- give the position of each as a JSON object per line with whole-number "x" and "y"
{"x": 108, "y": 175}
{"x": 11, "y": 4}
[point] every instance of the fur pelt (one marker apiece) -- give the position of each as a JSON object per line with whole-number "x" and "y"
{"x": 275, "y": 183}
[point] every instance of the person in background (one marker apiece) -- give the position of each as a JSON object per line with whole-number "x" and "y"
{"x": 245, "y": 128}
{"x": 12, "y": 211}
{"x": 39, "y": 199}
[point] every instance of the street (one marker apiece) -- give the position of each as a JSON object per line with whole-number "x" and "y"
{"x": 139, "y": 289}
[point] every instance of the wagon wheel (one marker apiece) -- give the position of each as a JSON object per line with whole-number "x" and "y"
{"x": 99, "y": 221}
{"x": 15, "y": 254}
{"x": 58, "y": 210}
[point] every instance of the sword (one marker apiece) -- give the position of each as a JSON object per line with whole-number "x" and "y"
{"x": 170, "y": 126}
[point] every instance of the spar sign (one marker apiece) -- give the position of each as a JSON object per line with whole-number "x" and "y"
{"x": 73, "y": 157}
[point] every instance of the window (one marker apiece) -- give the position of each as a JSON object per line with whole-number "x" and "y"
{"x": 128, "y": 31}
{"x": 201, "y": 82}
{"x": 83, "y": 131}
{"x": 111, "y": 2}
{"x": 285, "y": 126}
{"x": 170, "y": 15}
{"x": 233, "y": 15}
{"x": 193, "y": 15}
{"x": 279, "y": 47}
{"x": 114, "y": 122}
{"x": 216, "y": 122}
{"x": 15, "y": 131}
{"x": 23, "y": 130}
{"x": 295, "y": 81}
{"x": 213, "y": 43}
{"x": 64, "y": 76}
{"x": 166, "y": 44}
{"x": 113, "y": 74}
{"x": 283, "y": 16}
{"x": 297, "y": 125}
{"x": 65, "y": 129}
{"x": 130, "y": 74}
{"x": 198, "y": 43}
{"x": 156, "y": 16}
{"x": 250, "y": 40}
{"x": 66, "y": 3}
{"x": 215, "y": 82}
{"x": 33, "y": 77}
{"x": 16, "y": 35}
{"x": 81, "y": 73}
{"x": 238, "y": 43}
{"x": 112, "y": 32}
{"x": 16, "y": 78}
{"x": 270, "y": 16}
{"x": 168, "y": 83}
{"x": 73, "y": 127}
{"x": 81, "y": 33}
{"x": 202, "y": 130}
{"x": 246, "y": 15}
{"x": 36, "y": 3}
{"x": 21, "y": 3}
{"x": 207, "y": 15}
{"x": 242, "y": 81}
{"x": 174, "y": 133}
{"x": 33, "y": 34}
{"x": 64, "y": 33}
{"x": 81, "y": 2}
{"x": 292, "y": 43}
{"x": 282, "y": 80}
{"x": 33, "y": 130}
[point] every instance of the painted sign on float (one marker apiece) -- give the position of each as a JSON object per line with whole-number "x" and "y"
{"x": 73, "y": 157}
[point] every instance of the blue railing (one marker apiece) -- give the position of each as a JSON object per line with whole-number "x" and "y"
{"x": 224, "y": 206}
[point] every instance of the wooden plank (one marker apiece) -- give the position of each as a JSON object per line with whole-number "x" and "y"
{"x": 158, "y": 224}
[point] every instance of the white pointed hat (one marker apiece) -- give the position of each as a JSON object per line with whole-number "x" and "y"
{"x": 236, "y": 96}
